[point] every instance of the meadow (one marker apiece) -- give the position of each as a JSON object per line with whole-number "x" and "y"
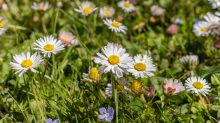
{"x": 135, "y": 61}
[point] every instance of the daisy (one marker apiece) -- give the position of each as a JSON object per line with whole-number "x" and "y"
{"x": 201, "y": 28}
{"x": 23, "y": 62}
{"x": 68, "y": 38}
{"x": 212, "y": 20}
{"x": 114, "y": 59}
{"x": 3, "y": 26}
{"x": 156, "y": 10}
{"x": 141, "y": 69}
{"x": 189, "y": 61}
{"x": 41, "y": 6}
{"x": 123, "y": 82}
{"x": 197, "y": 85}
{"x": 137, "y": 87}
{"x": 92, "y": 77}
{"x": 49, "y": 45}
{"x": 172, "y": 29}
{"x": 106, "y": 12}
{"x": 115, "y": 26}
{"x": 106, "y": 115}
{"x": 172, "y": 87}
{"x": 126, "y": 6}
{"x": 86, "y": 8}
{"x": 216, "y": 31}
{"x": 215, "y": 3}
{"x": 146, "y": 58}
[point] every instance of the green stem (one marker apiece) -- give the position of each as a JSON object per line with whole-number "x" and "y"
{"x": 142, "y": 98}
{"x": 3, "y": 104}
{"x": 165, "y": 105}
{"x": 114, "y": 89}
{"x": 191, "y": 105}
{"x": 44, "y": 26}
{"x": 42, "y": 81}
{"x": 35, "y": 95}
{"x": 206, "y": 109}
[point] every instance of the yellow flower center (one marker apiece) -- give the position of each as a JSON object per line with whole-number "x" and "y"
{"x": 127, "y": 4}
{"x": 198, "y": 85}
{"x": 1, "y": 1}
{"x": 140, "y": 66}
{"x": 115, "y": 24}
{"x": 65, "y": 39}
{"x": 94, "y": 74}
{"x": 135, "y": 85}
{"x": 87, "y": 10}
{"x": 107, "y": 13}
{"x": 26, "y": 63}
{"x": 1, "y": 24}
{"x": 204, "y": 29}
{"x": 106, "y": 114}
{"x": 170, "y": 87}
{"x": 41, "y": 7}
{"x": 113, "y": 59}
{"x": 216, "y": 27}
{"x": 118, "y": 88}
{"x": 48, "y": 47}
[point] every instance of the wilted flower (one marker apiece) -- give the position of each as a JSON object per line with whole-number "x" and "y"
{"x": 3, "y": 26}
{"x": 217, "y": 43}
{"x": 22, "y": 63}
{"x": 171, "y": 87}
{"x": 156, "y": 10}
{"x": 68, "y": 38}
{"x": 92, "y": 77}
{"x": 123, "y": 82}
{"x": 126, "y": 6}
{"x": 106, "y": 12}
{"x": 115, "y": 26}
{"x": 106, "y": 115}
{"x": 86, "y": 8}
{"x": 189, "y": 62}
{"x": 177, "y": 21}
{"x": 41, "y": 6}
{"x": 49, "y": 45}
{"x": 197, "y": 85}
{"x": 149, "y": 94}
{"x": 51, "y": 121}
{"x": 172, "y": 29}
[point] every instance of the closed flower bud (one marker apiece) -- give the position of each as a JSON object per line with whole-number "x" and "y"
{"x": 172, "y": 29}
{"x": 119, "y": 18}
{"x": 189, "y": 62}
{"x": 149, "y": 94}
{"x": 35, "y": 19}
{"x": 157, "y": 11}
{"x": 60, "y": 4}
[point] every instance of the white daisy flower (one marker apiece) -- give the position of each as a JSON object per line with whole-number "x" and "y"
{"x": 106, "y": 12}
{"x": 156, "y": 10}
{"x": 126, "y": 6}
{"x": 49, "y": 45}
{"x": 216, "y": 31}
{"x": 197, "y": 85}
{"x": 212, "y": 20}
{"x": 115, "y": 26}
{"x": 3, "y": 26}
{"x": 189, "y": 61}
{"x": 201, "y": 28}
{"x": 217, "y": 13}
{"x": 123, "y": 82}
{"x": 172, "y": 87}
{"x": 144, "y": 58}
{"x": 114, "y": 59}
{"x": 23, "y": 62}
{"x": 92, "y": 77}
{"x": 142, "y": 69}
{"x": 86, "y": 8}
{"x": 41, "y": 6}
{"x": 215, "y": 3}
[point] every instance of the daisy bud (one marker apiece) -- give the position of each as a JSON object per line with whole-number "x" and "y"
{"x": 172, "y": 29}
{"x": 35, "y": 19}
{"x": 189, "y": 62}
{"x": 171, "y": 87}
{"x": 157, "y": 11}
{"x": 137, "y": 87}
{"x": 217, "y": 43}
{"x": 119, "y": 18}
{"x": 149, "y": 94}
{"x": 60, "y": 4}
